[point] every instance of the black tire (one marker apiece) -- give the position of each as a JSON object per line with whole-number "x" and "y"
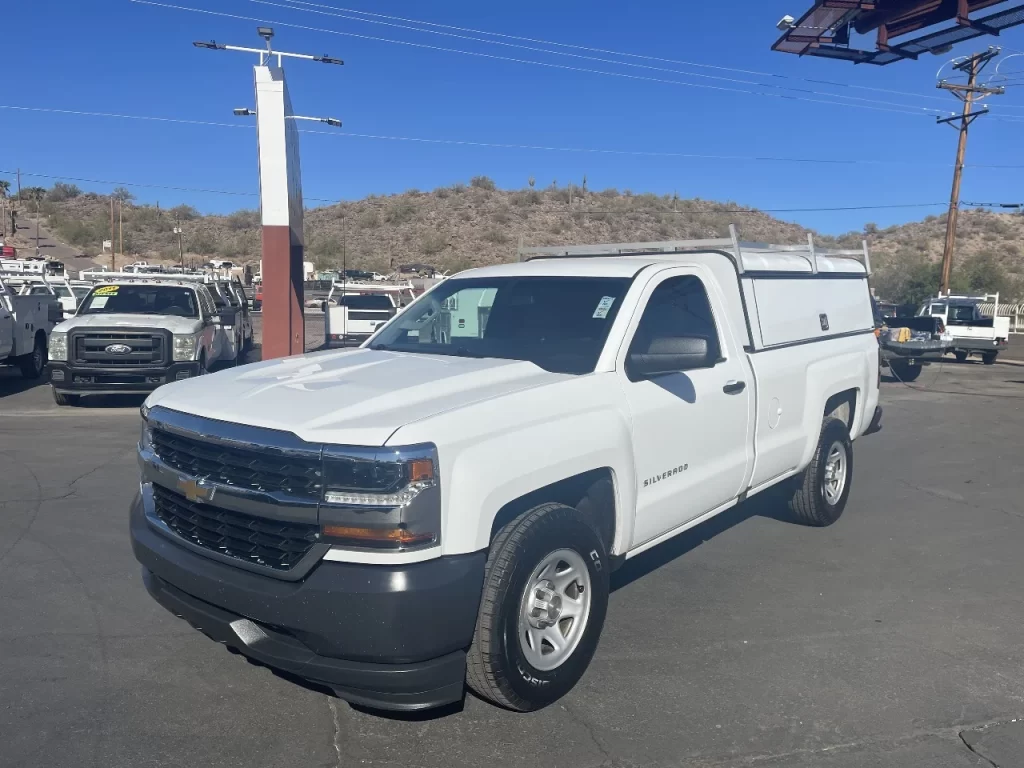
{"x": 810, "y": 504}
{"x": 62, "y": 399}
{"x": 904, "y": 371}
{"x": 497, "y": 669}
{"x": 989, "y": 358}
{"x": 33, "y": 364}
{"x": 960, "y": 355}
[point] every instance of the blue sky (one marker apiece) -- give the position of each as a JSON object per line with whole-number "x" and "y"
{"x": 115, "y": 56}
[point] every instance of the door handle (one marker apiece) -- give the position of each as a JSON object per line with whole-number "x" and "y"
{"x": 734, "y": 387}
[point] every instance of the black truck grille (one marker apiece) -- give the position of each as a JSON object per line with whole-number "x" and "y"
{"x": 143, "y": 349}
{"x": 271, "y": 543}
{"x": 256, "y": 470}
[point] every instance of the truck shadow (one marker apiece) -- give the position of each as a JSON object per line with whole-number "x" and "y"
{"x": 767, "y": 504}
{"x": 13, "y": 383}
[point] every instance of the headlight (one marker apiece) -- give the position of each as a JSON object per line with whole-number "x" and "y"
{"x": 58, "y": 350}
{"x": 184, "y": 348}
{"x": 387, "y": 498}
{"x": 146, "y": 437}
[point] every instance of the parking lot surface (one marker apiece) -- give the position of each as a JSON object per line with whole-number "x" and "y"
{"x": 892, "y": 638}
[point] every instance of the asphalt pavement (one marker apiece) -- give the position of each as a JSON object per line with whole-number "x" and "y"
{"x": 892, "y": 638}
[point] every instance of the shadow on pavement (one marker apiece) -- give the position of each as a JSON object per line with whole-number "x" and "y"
{"x": 768, "y": 504}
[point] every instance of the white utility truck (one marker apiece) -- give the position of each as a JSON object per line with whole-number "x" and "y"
{"x": 354, "y": 311}
{"x": 434, "y": 509}
{"x": 132, "y": 333}
{"x": 972, "y": 332}
{"x": 26, "y": 323}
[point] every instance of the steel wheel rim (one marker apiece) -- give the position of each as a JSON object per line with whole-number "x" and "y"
{"x": 836, "y": 464}
{"x": 554, "y": 609}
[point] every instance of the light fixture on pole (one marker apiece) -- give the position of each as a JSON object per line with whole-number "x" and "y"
{"x": 332, "y": 121}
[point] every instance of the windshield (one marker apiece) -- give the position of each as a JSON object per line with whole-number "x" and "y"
{"x": 372, "y": 301}
{"x": 557, "y": 323}
{"x": 141, "y": 300}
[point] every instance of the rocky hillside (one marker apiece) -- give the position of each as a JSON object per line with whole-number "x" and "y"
{"x": 468, "y": 225}
{"x": 451, "y": 227}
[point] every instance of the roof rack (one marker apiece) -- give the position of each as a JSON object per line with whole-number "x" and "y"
{"x": 97, "y": 275}
{"x": 732, "y": 245}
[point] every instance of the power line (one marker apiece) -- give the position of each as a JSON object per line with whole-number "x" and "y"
{"x": 149, "y": 185}
{"x": 903, "y": 109}
{"x": 294, "y": 5}
{"x": 506, "y": 145}
{"x": 593, "y": 49}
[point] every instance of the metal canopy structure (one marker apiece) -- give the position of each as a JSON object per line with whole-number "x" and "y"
{"x": 826, "y": 28}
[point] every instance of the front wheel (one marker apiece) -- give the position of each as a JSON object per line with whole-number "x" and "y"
{"x": 544, "y": 602}
{"x": 33, "y": 363}
{"x": 822, "y": 490}
{"x": 62, "y": 399}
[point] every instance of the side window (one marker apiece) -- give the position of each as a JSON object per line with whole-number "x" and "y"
{"x": 679, "y": 307}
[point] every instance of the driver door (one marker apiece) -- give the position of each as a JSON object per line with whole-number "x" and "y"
{"x": 692, "y": 429}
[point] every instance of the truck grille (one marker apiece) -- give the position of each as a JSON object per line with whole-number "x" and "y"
{"x": 146, "y": 349}
{"x": 270, "y": 543}
{"x": 262, "y": 469}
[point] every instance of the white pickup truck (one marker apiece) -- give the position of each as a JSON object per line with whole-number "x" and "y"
{"x": 972, "y": 332}
{"x": 25, "y": 326}
{"x": 354, "y": 311}
{"x": 131, "y": 334}
{"x": 398, "y": 520}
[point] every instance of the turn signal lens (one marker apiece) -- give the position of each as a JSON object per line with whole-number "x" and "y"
{"x": 374, "y": 537}
{"x": 421, "y": 470}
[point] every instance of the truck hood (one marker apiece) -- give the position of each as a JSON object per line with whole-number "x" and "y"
{"x": 349, "y": 397}
{"x": 130, "y": 322}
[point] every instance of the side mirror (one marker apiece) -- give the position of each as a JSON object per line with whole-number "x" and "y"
{"x": 323, "y": 307}
{"x": 226, "y": 317}
{"x": 669, "y": 354}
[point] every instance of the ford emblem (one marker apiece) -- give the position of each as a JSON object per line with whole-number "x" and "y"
{"x": 119, "y": 349}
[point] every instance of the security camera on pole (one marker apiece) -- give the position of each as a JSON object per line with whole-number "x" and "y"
{"x": 280, "y": 196}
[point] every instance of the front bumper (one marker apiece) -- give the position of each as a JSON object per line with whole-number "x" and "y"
{"x": 68, "y": 378}
{"x": 393, "y": 637}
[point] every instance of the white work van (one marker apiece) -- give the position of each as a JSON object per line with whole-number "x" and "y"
{"x": 972, "y": 332}
{"x": 442, "y": 507}
{"x": 354, "y": 311}
{"x": 25, "y": 326}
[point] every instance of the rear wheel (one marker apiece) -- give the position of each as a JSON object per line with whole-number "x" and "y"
{"x": 961, "y": 356}
{"x": 822, "y": 490}
{"x": 904, "y": 371}
{"x": 33, "y": 363}
{"x": 543, "y": 607}
{"x": 989, "y": 358}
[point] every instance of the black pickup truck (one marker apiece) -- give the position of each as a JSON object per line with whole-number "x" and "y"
{"x": 905, "y": 351}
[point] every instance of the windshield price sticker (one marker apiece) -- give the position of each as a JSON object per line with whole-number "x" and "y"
{"x": 99, "y": 302}
{"x": 106, "y": 290}
{"x": 603, "y": 306}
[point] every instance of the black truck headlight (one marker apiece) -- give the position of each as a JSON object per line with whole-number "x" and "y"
{"x": 381, "y": 498}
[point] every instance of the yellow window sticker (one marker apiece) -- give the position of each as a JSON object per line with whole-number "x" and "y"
{"x": 106, "y": 290}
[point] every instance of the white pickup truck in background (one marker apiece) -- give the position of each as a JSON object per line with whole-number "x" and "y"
{"x": 437, "y": 508}
{"x": 354, "y": 311}
{"x": 973, "y": 333}
{"x": 25, "y": 326}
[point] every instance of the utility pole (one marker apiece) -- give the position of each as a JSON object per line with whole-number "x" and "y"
{"x": 181, "y": 253}
{"x": 19, "y": 185}
{"x": 37, "y": 227}
{"x": 968, "y": 94}
{"x": 120, "y": 226}
{"x": 113, "y": 258}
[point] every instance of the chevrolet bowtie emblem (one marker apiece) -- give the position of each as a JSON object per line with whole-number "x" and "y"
{"x": 194, "y": 490}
